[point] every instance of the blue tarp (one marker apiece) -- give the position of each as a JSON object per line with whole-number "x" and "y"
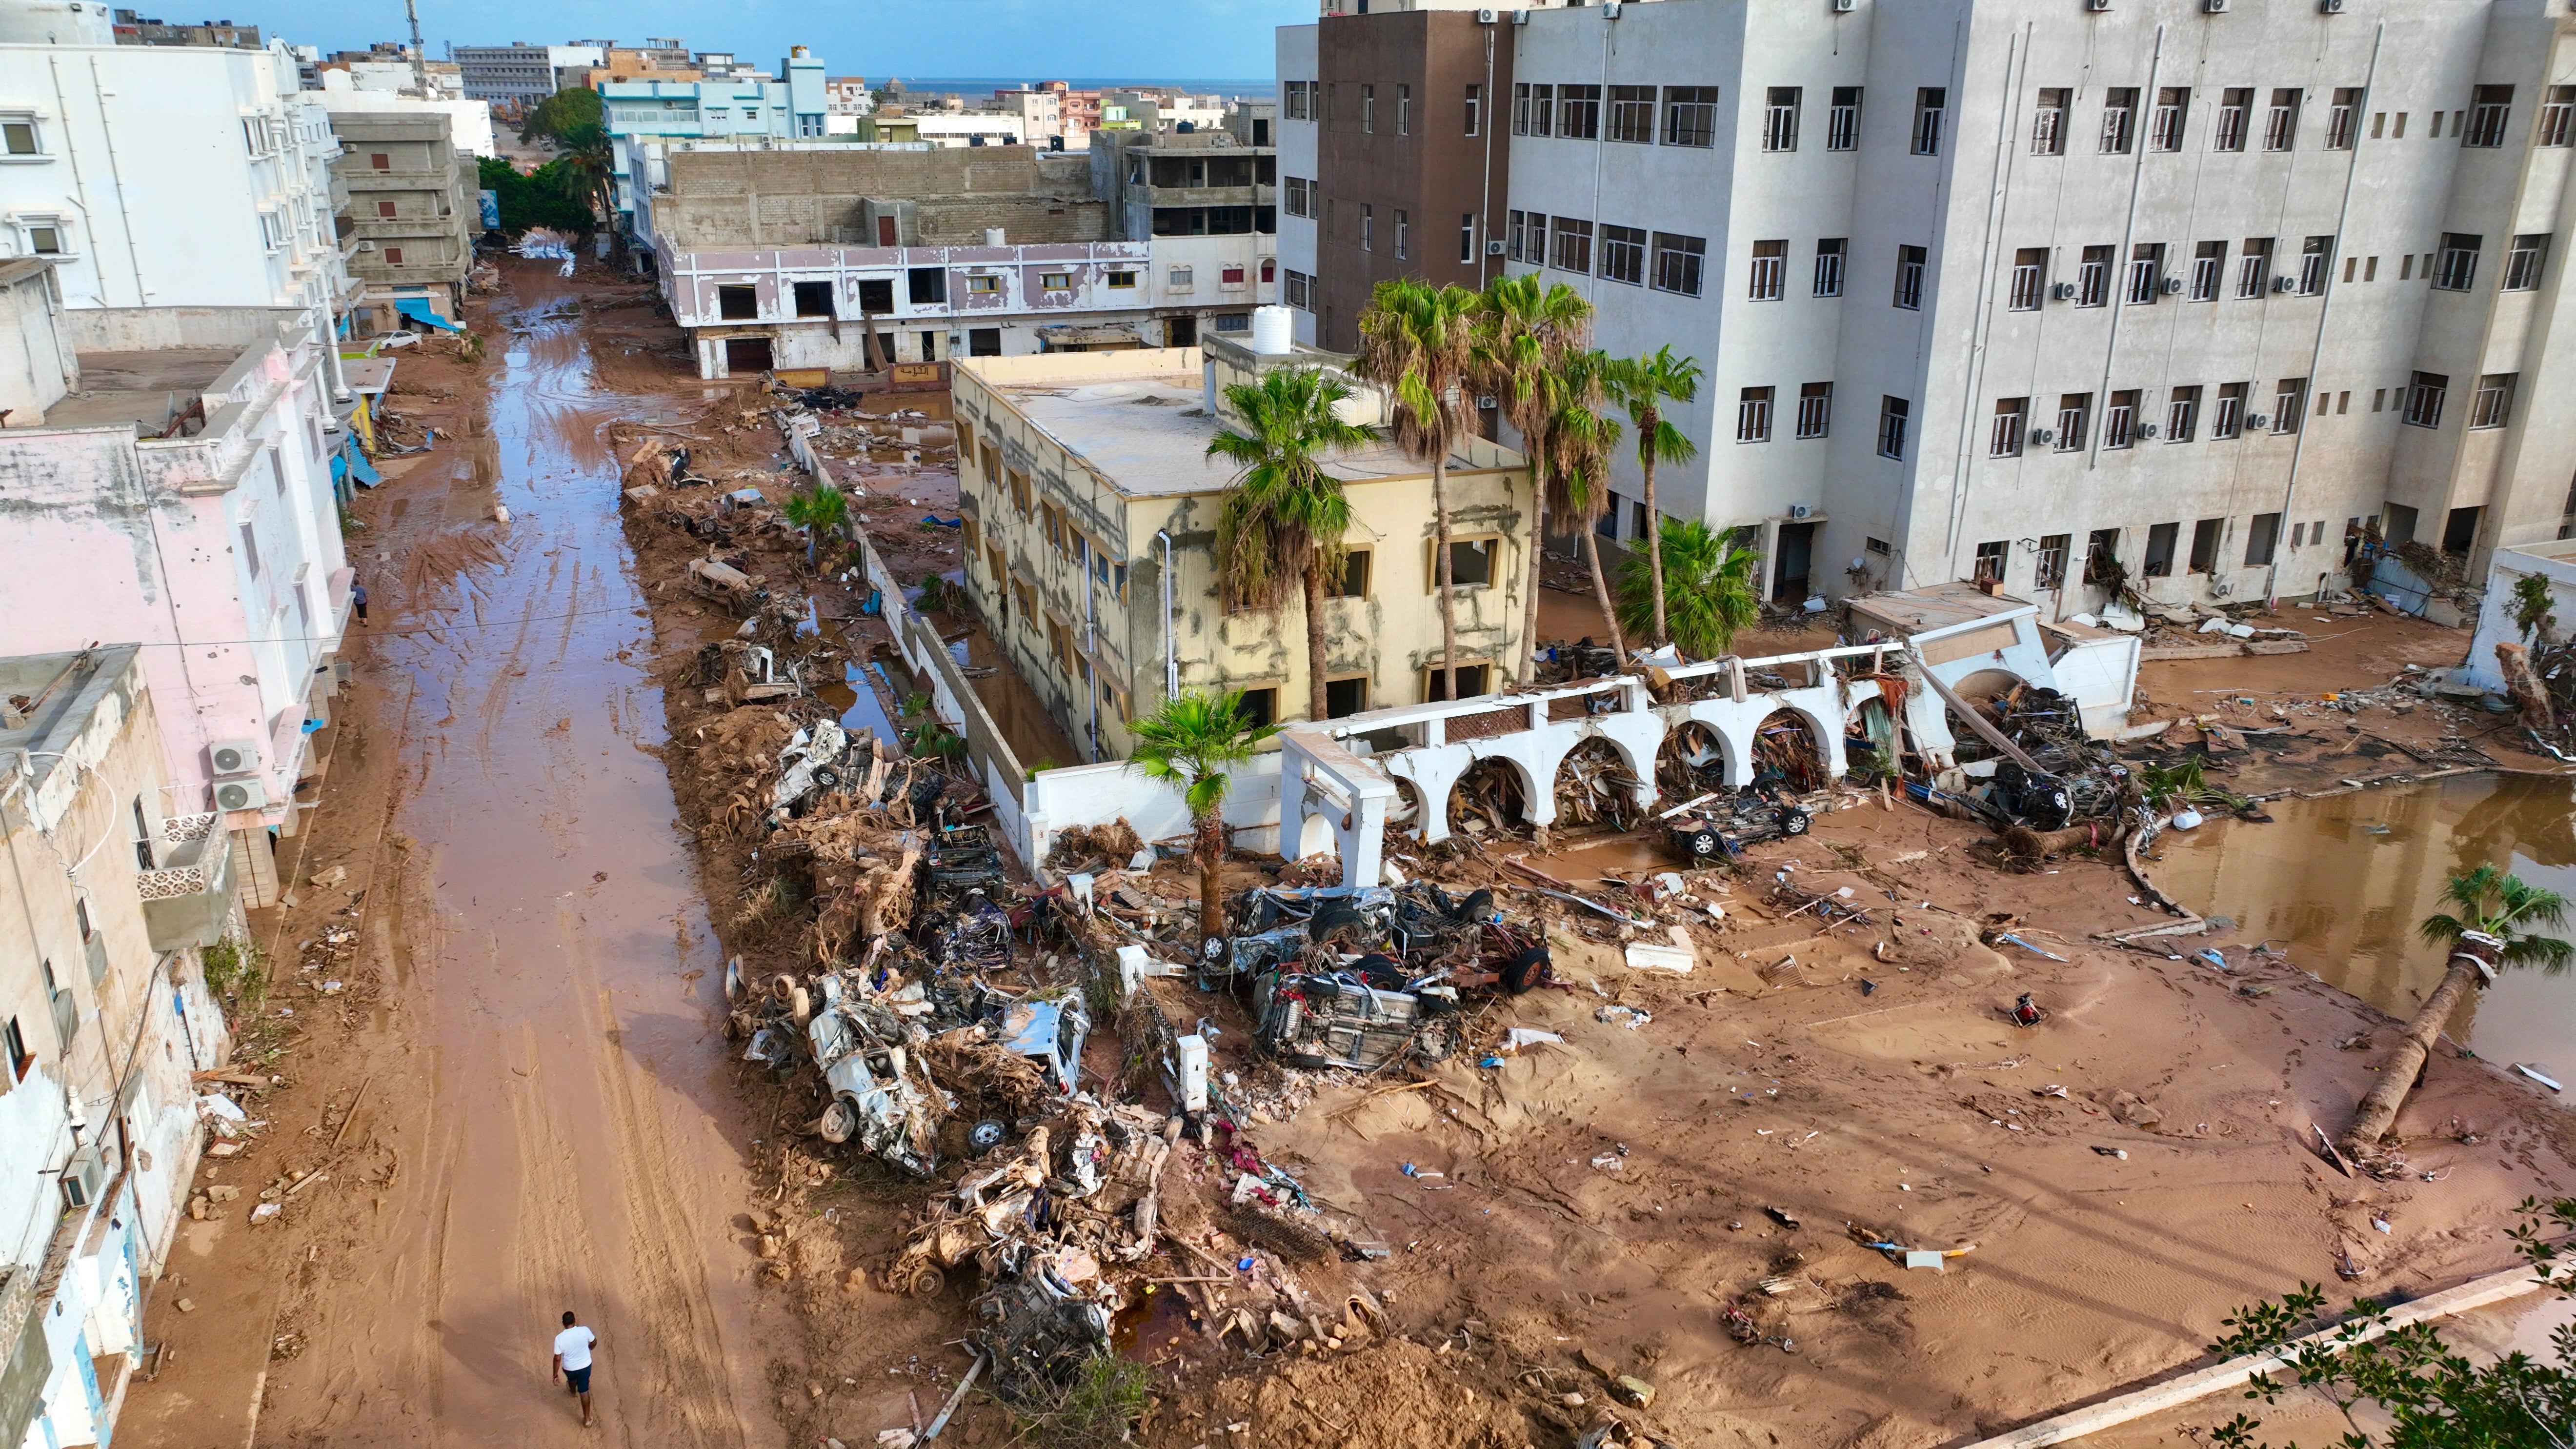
{"x": 351, "y": 461}
{"x": 417, "y": 309}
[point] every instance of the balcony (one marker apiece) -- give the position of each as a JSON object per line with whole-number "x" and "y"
{"x": 188, "y": 901}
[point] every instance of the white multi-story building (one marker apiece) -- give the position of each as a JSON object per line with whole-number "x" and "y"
{"x": 1988, "y": 287}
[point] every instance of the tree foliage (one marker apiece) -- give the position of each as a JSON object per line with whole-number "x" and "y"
{"x": 551, "y": 197}
{"x": 2508, "y": 908}
{"x": 557, "y": 116}
{"x": 1712, "y": 588}
{"x": 2424, "y": 1394}
{"x": 1284, "y": 512}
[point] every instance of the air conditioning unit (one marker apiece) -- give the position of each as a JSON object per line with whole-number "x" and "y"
{"x": 1520, "y": 17}
{"x": 1609, "y": 9}
{"x": 2256, "y": 422}
{"x": 2329, "y": 7}
{"x": 2283, "y": 284}
{"x": 1798, "y": 510}
{"x": 2173, "y": 286}
{"x": 2146, "y": 430}
{"x": 2213, "y": 7}
{"x": 1485, "y": 401}
{"x": 2041, "y": 437}
{"x": 1484, "y": 17}
{"x": 2097, "y": 4}
{"x": 83, "y": 1176}
{"x": 233, "y": 757}
{"x": 2062, "y": 291}
{"x": 1842, "y": 7}
{"x": 244, "y": 794}
{"x": 1493, "y": 249}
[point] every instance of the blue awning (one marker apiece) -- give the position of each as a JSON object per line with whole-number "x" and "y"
{"x": 417, "y": 309}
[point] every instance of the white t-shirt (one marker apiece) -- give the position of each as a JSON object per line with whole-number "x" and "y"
{"x": 574, "y": 1345}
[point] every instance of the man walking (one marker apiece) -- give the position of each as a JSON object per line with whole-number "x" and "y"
{"x": 358, "y": 600}
{"x": 572, "y": 1361}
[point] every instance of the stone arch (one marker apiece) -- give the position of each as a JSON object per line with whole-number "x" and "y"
{"x": 1591, "y": 785}
{"x": 1496, "y": 780}
{"x": 1693, "y": 760}
{"x": 1318, "y": 837}
{"x": 1790, "y": 748}
{"x": 1974, "y": 690}
{"x": 1406, "y": 813}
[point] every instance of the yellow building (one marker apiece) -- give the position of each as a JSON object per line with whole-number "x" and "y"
{"x": 1080, "y": 474}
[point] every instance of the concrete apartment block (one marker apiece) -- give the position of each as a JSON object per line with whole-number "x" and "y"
{"x": 411, "y": 210}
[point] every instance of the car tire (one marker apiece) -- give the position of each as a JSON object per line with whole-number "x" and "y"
{"x": 1525, "y": 970}
{"x": 840, "y": 1122}
{"x": 1703, "y": 843}
{"x": 1793, "y": 822}
{"x": 826, "y": 778}
{"x": 926, "y": 1282}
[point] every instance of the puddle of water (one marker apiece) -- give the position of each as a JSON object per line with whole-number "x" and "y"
{"x": 2344, "y": 881}
{"x": 860, "y": 706}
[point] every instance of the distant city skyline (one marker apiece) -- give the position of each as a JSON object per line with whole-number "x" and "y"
{"x": 1039, "y": 39}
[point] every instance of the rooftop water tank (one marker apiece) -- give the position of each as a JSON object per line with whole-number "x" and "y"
{"x": 993, "y": 237}
{"x": 1273, "y": 332}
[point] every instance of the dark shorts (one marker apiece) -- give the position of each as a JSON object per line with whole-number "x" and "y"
{"x": 579, "y": 1379}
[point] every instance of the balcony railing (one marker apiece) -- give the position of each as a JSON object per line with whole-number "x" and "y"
{"x": 188, "y": 901}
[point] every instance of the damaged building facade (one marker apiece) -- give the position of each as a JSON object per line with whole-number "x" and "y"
{"x": 1209, "y": 202}
{"x": 1090, "y": 515}
{"x": 408, "y": 211}
{"x": 104, "y": 1014}
{"x": 2051, "y": 296}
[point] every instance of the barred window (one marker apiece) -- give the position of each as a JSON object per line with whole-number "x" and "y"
{"x": 1623, "y": 254}
{"x": 1677, "y": 262}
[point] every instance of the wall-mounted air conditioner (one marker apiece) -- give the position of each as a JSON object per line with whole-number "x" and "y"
{"x": 1484, "y": 17}
{"x": 2063, "y": 291}
{"x": 2097, "y": 4}
{"x": 2041, "y": 437}
{"x": 2172, "y": 286}
{"x": 233, "y": 757}
{"x": 2146, "y": 430}
{"x": 2213, "y": 7}
{"x": 2256, "y": 422}
{"x": 2283, "y": 284}
{"x": 1842, "y": 7}
{"x": 244, "y": 794}
{"x": 1493, "y": 249}
{"x": 2329, "y": 7}
{"x": 1798, "y": 510}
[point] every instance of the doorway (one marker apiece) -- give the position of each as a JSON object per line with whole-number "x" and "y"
{"x": 1796, "y": 553}
{"x": 744, "y": 355}
{"x": 1181, "y": 332}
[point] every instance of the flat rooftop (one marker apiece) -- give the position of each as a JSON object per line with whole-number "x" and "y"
{"x": 1938, "y": 606}
{"x": 146, "y": 389}
{"x": 46, "y": 699}
{"x": 1147, "y": 433}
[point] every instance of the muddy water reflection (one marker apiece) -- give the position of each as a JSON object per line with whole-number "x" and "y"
{"x": 2344, "y": 880}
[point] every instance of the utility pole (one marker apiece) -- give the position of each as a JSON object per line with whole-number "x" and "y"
{"x": 419, "y": 55}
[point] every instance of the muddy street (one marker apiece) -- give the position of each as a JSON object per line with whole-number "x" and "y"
{"x": 548, "y": 1106}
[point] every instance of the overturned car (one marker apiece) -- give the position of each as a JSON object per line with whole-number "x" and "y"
{"x": 880, "y": 1097}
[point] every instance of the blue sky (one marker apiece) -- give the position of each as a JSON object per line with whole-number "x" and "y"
{"x": 1134, "y": 39}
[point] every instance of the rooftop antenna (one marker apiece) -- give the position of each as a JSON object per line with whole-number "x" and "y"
{"x": 419, "y": 57}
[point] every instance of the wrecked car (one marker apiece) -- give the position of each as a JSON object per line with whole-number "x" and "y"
{"x": 1040, "y": 1326}
{"x": 818, "y": 759}
{"x": 875, "y": 1101}
{"x": 1697, "y": 836}
{"x": 713, "y": 578}
{"x": 1049, "y": 1033}
{"x": 1340, "y": 1019}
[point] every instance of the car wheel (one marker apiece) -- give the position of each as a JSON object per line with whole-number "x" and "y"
{"x": 926, "y": 1282}
{"x": 1793, "y": 822}
{"x": 1703, "y": 842}
{"x": 840, "y": 1122}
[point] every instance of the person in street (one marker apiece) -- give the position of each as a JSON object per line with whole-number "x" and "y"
{"x": 358, "y": 600}
{"x": 572, "y": 1361}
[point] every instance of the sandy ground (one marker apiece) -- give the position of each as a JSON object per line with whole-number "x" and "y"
{"x": 524, "y": 1102}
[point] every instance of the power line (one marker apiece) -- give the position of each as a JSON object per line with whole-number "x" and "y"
{"x": 404, "y": 632}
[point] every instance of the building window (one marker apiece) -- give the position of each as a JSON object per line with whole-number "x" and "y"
{"x": 1404, "y": 110}
{"x": 2289, "y": 404}
{"x": 2343, "y": 121}
{"x": 2281, "y": 126}
{"x": 2254, "y": 266}
{"x": 1573, "y": 245}
{"x": 1993, "y": 557}
{"x": 1475, "y": 111}
{"x": 1527, "y": 237}
{"x": 2235, "y": 104}
{"x": 2228, "y": 419}
{"x": 2119, "y": 119}
{"x": 2182, "y": 415}
{"x": 1829, "y": 267}
{"x": 18, "y": 136}
{"x": 1753, "y": 415}
{"x": 2315, "y": 257}
{"x": 2208, "y": 262}
{"x": 1295, "y": 199}
{"x": 2053, "y": 550}
{"x": 1632, "y": 114}
{"x": 2120, "y": 419}
{"x": 2524, "y": 264}
{"x": 1368, "y": 110}
{"x": 976, "y": 286}
{"x": 1471, "y": 681}
{"x": 1842, "y": 122}
{"x": 1677, "y": 262}
{"x": 1770, "y": 263}
{"x": 1368, "y": 226}
{"x": 1578, "y": 112}
{"x": 1055, "y": 281}
{"x": 1909, "y": 278}
{"x": 1690, "y": 115}
{"x": 1234, "y": 276}
{"x": 1815, "y": 409}
{"x": 45, "y": 237}
{"x": 2558, "y": 118}
{"x": 1466, "y": 238}
{"x": 1295, "y": 100}
{"x": 1623, "y": 254}
{"x": 2488, "y": 108}
{"x": 2158, "y": 562}
{"x": 2262, "y": 539}
{"x": 1931, "y": 103}
{"x": 1780, "y": 119}
{"x": 1353, "y": 581}
{"x": 379, "y": 161}
{"x": 2004, "y": 438}
{"x": 1403, "y": 235}
{"x": 1300, "y": 291}
{"x": 2173, "y": 108}
{"x": 2093, "y": 277}
{"x": 2492, "y": 405}
{"x": 2146, "y": 273}
{"x": 2074, "y": 420}
{"x": 1892, "y": 415}
{"x": 2204, "y": 544}
{"x": 1471, "y": 563}
{"x": 2459, "y": 265}
{"x": 393, "y": 256}
{"x": 2029, "y": 279}
{"x": 2048, "y": 122}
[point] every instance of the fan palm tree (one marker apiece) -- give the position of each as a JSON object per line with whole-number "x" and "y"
{"x": 818, "y": 510}
{"x": 1712, "y": 583}
{"x": 1524, "y": 332}
{"x": 1282, "y": 522}
{"x": 2499, "y": 924}
{"x": 1193, "y": 741}
{"x": 1415, "y": 342}
{"x": 1642, "y": 386}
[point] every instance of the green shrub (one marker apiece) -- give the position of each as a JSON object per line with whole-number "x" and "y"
{"x": 1101, "y": 1407}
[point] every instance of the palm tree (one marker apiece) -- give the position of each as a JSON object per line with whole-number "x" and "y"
{"x": 1191, "y": 742}
{"x": 1282, "y": 522}
{"x": 817, "y": 510}
{"x": 1642, "y": 386}
{"x": 589, "y": 169}
{"x": 1712, "y": 582}
{"x": 2494, "y": 927}
{"x": 1415, "y": 341}
{"x": 1524, "y": 331}
{"x": 1576, "y": 442}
